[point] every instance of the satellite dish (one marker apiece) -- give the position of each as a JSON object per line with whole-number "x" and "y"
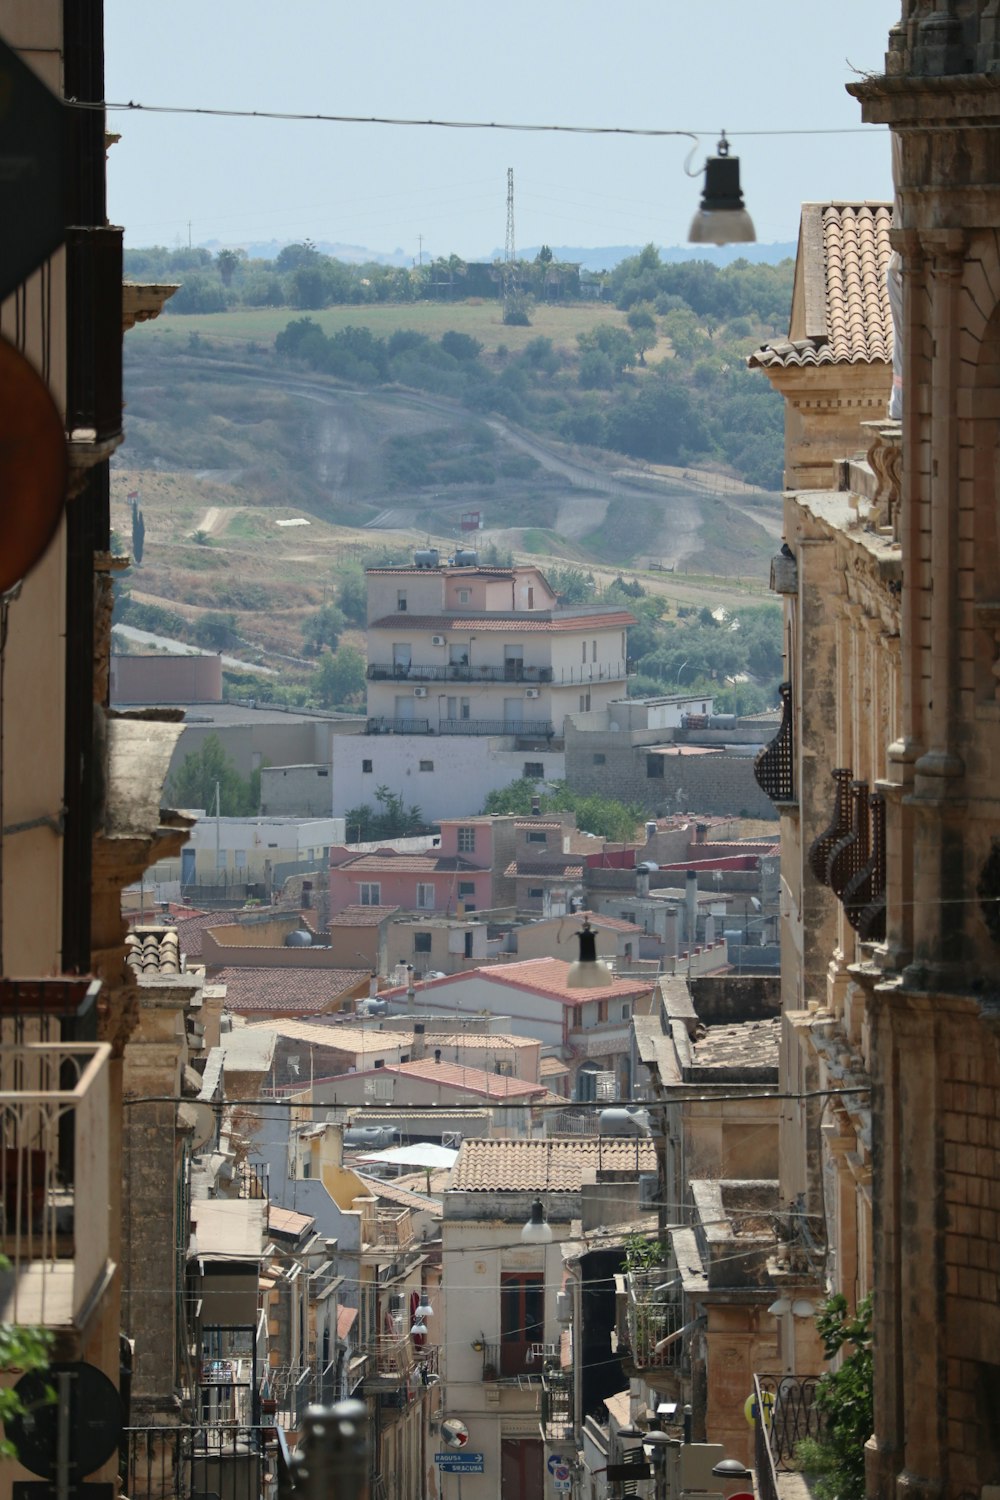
{"x": 33, "y": 466}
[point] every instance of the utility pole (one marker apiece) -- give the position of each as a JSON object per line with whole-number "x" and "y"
{"x": 509, "y": 254}
{"x": 420, "y": 252}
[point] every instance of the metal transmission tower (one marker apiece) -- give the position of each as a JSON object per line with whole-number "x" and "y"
{"x": 513, "y": 304}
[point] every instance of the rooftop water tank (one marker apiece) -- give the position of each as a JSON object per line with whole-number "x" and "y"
{"x": 465, "y": 557}
{"x": 623, "y": 1120}
{"x": 427, "y": 557}
{"x": 300, "y": 938}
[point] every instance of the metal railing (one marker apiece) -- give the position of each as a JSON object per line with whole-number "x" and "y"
{"x": 391, "y": 1357}
{"x": 491, "y": 1362}
{"x": 774, "y": 768}
{"x": 786, "y": 1413}
{"x": 180, "y": 1463}
{"x": 653, "y": 1320}
{"x": 394, "y": 1227}
{"x": 54, "y": 1178}
{"x": 456, "y": 672}
{"x": 534, "y": 729}
{"x": 387, "y": 724}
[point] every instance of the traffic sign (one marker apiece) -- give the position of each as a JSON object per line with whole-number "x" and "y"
{"x": 95, "y": 1419}
{"x": 555, "y": 1461}
{"x": 31, "y": 171}
{"x": 459, "y": 1463}
{"x": 562, "y": 1485}
{"x": 561, "y": 1473}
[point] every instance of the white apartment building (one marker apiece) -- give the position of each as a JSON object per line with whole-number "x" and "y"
{"x": 471, "y": 674}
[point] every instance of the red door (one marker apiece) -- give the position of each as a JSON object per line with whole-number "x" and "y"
{"x": 521, "y": 1469}
{"x": 522, "y": 1320}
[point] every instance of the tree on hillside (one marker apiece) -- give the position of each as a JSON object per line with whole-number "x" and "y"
{"x": 352, "y": 595}
{"x": 643, "y": 325}
{"x": 227, "y": 262}
{"x": 603, "y": 816}
{"x": 193, "y": 785}
{"x": 138, "y": 532}
{"x": 322, "y": 629}
{"x": 215, "y": 629}
{"x": 340, "y": 677}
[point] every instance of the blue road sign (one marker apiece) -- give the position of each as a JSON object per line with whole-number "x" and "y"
{"x": 459, "y": 1463}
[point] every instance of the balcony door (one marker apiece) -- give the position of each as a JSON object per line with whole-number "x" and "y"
{"x": 513, "y": 713}
{"x": 522, "y": 1474}
{"x": 522, "y": 1320}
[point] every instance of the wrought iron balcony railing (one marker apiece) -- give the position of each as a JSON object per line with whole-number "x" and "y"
{"x": 174, "y": 1463}
{"x": 534, "y": 729}
{"x": 786, "y": 1413}
{"x": 652, "y": 1321}
{"x": 849, "y": 856}
{"x": 387, "y": 724}
{"x": 54, "y": 1176}
{"x": 774, "y": 768}
{"x": 456, "y": 672}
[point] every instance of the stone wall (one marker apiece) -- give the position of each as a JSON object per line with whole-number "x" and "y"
{"x": 718, "y": 784}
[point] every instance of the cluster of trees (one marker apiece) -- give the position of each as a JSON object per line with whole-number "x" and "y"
{"x": 598, "y": 815}
{"x": 301, "y": 276}
{"x": 390, "y": 818}
{"x": 679, "y": 411}
{"x": 195, "y": 782}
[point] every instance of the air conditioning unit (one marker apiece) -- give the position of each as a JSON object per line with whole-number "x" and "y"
{"x": 420, "y": 692}
{"x": 532, "y": 693}
{"x": 437, "y": 640}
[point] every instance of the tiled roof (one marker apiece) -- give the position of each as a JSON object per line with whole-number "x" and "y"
{"x": 469, "y": 572}
{"x": 844, "y": 254}
{"x": 422, "y": 863}
{"x": 284, "y": 1221}
{"x": 287, "y": 991}
{"x": 555, "y": 868}
{"x": 503, "y": 624}
{"x": 751, "y": 1044}
{"x": 361, "y": 916}
{"x": 552, "y": 1067}
{"x": 544, "y": 976}
{"x": 346, "y": 1317}
{"x": 320, "y": 1033}
{"x": 486, "y": 1039}
{"x": 614, "y": 924}
{"x": 457, "y": 1076}
{"x": 190, "y": 929}
{"x": 380, "y": 1187}
{"x": 152, "y": 952}
{"x": 538, "y": 823}
{"x": 554, "y": 1165}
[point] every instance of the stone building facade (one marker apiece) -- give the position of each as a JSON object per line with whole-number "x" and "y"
{"x": 885, "y": 772}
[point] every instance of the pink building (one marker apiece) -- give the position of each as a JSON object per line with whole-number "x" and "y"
{"x": 464, "y": 871}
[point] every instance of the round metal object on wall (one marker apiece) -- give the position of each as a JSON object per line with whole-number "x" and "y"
{"x": 95, "y": 1419}
{"x": 33, "y": 466}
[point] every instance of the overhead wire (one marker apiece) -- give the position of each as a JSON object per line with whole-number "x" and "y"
{"x": 134, "y": 106}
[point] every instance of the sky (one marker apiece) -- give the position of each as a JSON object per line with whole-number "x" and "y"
{"x": 686, "y": 65}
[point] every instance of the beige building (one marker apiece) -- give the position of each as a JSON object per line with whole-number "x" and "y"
{"x": 889, "y": 925}
{"x": 81, "y": 790}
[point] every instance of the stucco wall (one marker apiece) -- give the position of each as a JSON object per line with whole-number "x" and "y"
{"x": 469, "y": 767}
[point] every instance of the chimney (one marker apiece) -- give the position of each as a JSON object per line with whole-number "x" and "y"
{"x": 691, "y": 906}
{"x": 536, "y": 807}
{"x": 411, "y": 994}
{"x": 700, "y": 833}
{"x": 437, "y": 1054}
{"x": 417, "y": 1050}
{"x": 641, "y": 880}
{"x": 372, "y": 985}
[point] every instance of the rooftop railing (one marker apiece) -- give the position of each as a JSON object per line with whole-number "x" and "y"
{"x": 54, "y": 1179}
{"x": 786, "y": 1413}
{"x": 177, "y": 1463}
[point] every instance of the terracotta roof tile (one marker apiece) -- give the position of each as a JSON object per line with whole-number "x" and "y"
{"x": 475, "y": 1080}
{"x": 555, "y": 1165}
{"x": 545, "y": 976}
{"x": 153, "y": 952}
{"x": 853, "y": 244}
{"x": 287, "y": 991}
{"x": 555, "y": 868}
{"x": 430, "y": 864}
{"x": 362, "y": 916}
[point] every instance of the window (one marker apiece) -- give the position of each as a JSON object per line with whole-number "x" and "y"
{"x": 466, "y": 888}
{"x": 534, "y": 770}
{"x": 220, "y": 859}
{"x": 402, "y": 653}
{"x": 369, "y": 893}
{"x": 602, "y": 1011}
{"x": 522, "y": 1314}
{"x": 421, "y": 942}
{"x": 593, "y": 650}
{"x": 537, "y": 836}
{"x": 535, "y": 893}
{"x": 468, "y": 944}
{"x": 463, "y": 596}
{"x": 599, "y": 759}
{"x": 466, "y": 840}
{"x": 626, "y": 1008}
{"x": 585, "y": 703}
{"x": 426, "y": 765}
{"x": 425, "y": 896}
{"x": 654, "y": 766}
{"x": 366, "y": 768}
{"x": 531, "y": 597}
{"x": 240, "y": 859}
{"x": 401, "y": 602}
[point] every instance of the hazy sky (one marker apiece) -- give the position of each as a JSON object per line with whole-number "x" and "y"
{"x": 742, "y": 65}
